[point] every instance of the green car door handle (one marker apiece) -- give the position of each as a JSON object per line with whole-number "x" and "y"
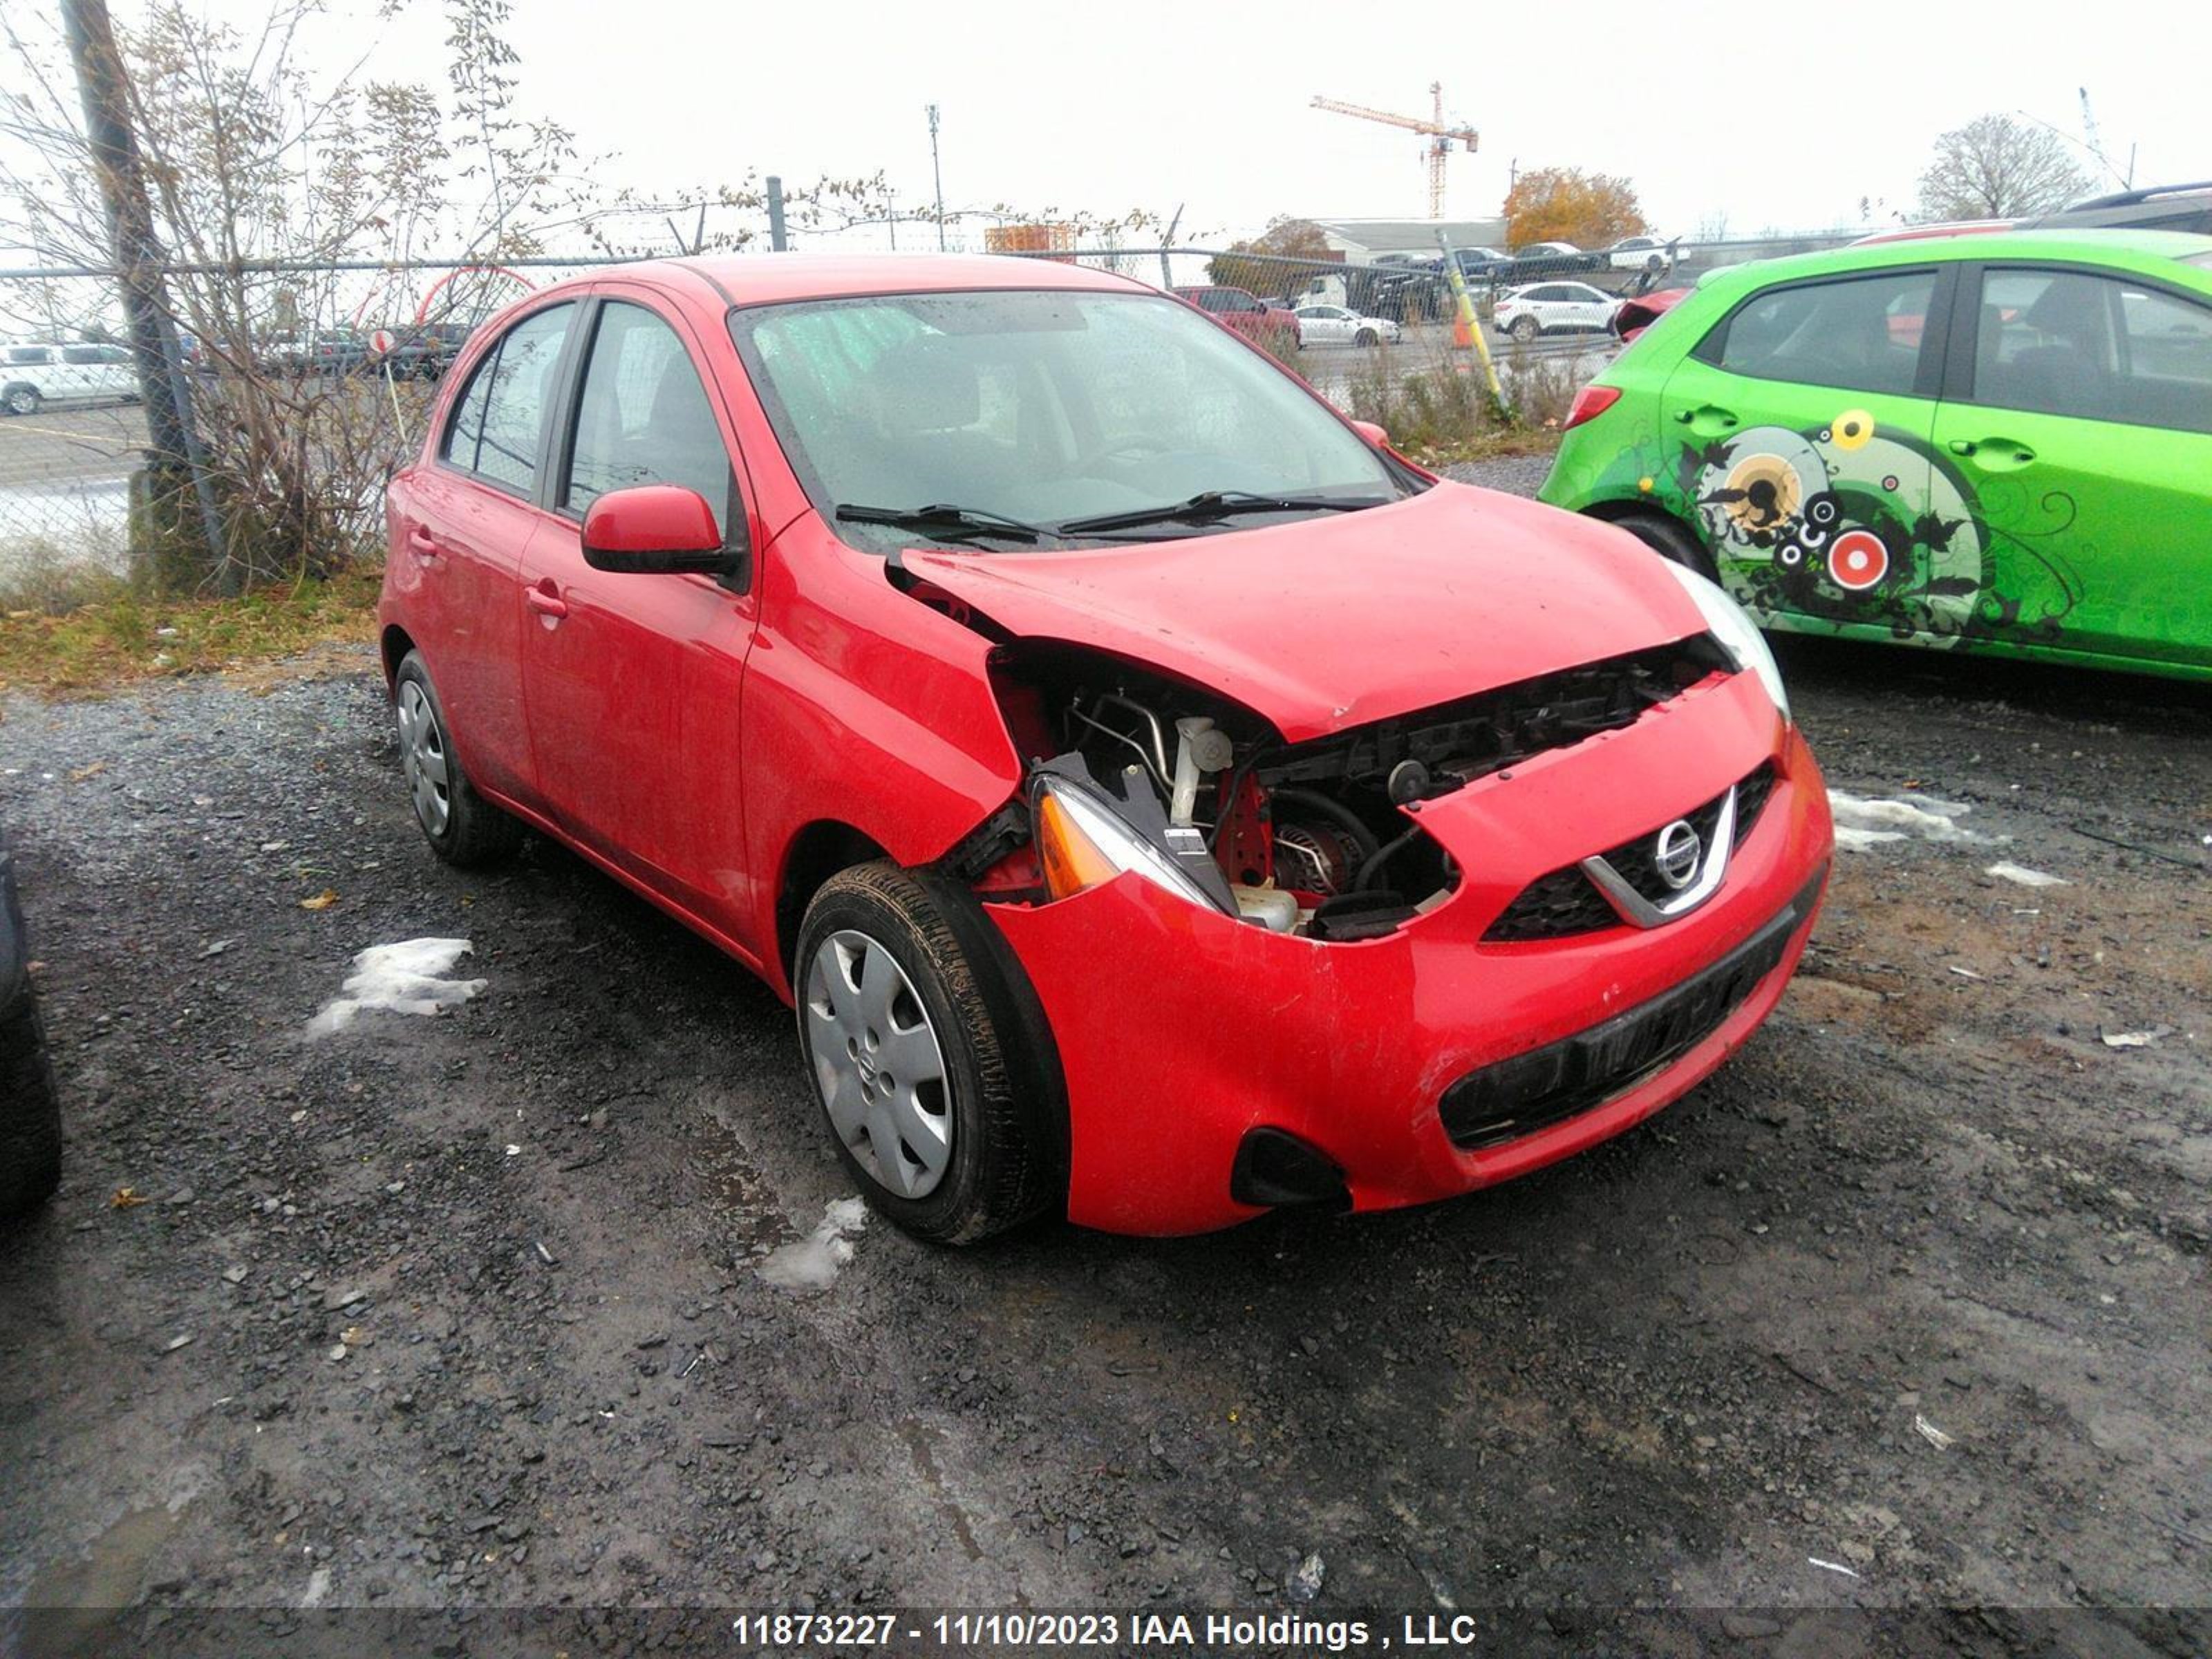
{"x": 1707, "y": 419}
{"x": 1994, "y": 454}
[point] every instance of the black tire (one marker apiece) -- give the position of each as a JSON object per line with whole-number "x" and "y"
{"x": 30, "y": 1112}
{"x": 1525, "y": 329}
{"x": 21, "y": 399}
{"x": 1670, "y": 539}
{"x": 475, "y": 832}
{"x": 1367, "y": 337}
{"x": 1007, "y": 1161}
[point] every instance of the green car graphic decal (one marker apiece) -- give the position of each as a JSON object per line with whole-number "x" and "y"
{"x": 1812, "y": 523}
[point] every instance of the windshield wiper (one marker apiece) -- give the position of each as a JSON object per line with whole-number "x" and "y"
{"x": 1216, "y": 504}
{"x": 943, "y": 521}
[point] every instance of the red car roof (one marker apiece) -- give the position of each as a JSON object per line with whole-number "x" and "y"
{"x": 763, "y": 278}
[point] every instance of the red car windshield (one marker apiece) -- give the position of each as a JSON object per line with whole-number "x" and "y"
{"x": 1037, "y": 407}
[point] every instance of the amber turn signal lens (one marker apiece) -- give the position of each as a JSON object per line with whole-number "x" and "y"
{"x": 1071, "y": 858}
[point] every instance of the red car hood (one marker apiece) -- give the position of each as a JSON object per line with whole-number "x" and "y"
{"x": 1339, "y": 620}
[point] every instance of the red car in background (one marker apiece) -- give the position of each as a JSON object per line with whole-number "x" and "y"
{"x": 1632, "y": 316}
{"x": 1243, "y": 313}
{"x": 1160, "y": 801}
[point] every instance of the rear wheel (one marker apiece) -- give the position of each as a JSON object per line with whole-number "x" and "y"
{"x": 462, "y": 827}
{"x": 20, "y": 400}
{"x": 30, "y": 1112}
{"x": 929, "y": 1054}
{"x": 1525, "y": 329}
{"x": 1670, "y": 540}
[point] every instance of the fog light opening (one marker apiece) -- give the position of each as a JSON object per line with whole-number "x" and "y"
{"x": 1275, "y": 1169}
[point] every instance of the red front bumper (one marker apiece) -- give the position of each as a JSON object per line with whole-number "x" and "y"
{"x": 1179, "y": 1029}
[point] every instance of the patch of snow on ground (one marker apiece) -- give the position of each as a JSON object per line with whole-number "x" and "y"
{"x": 811, "y": 1263}
{"x": 406, "y": 978}
{"x": 2004, "y": 869}
{"x": 1862, "y": 822}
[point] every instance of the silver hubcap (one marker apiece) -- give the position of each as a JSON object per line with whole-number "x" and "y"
{"x": 877, "y": 1064}
{"x": 423, "y": 754}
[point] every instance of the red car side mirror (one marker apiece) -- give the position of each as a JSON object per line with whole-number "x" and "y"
{"x": 1374, "y": 434}
{"x": 653, "y": 529}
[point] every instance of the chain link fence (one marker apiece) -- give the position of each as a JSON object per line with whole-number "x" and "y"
{"x": 304, "y": 408}
{"x": 305, "y": 385}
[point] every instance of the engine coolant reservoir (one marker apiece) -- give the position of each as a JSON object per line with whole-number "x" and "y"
{"x": 1270, "y": 907}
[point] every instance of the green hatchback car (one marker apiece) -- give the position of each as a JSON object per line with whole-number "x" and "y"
{"x": 1996, "y": 442}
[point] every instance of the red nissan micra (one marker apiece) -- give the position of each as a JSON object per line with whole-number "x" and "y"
{"x": 1161, "y": 801}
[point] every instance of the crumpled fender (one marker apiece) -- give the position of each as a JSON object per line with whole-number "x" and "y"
{"x": 870, "y": 709}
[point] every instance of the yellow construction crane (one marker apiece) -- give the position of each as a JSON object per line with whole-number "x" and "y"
{"x": 1440, "y": 135}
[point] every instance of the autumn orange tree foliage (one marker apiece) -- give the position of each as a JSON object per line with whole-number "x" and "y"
{"x": 1565, "y": 204}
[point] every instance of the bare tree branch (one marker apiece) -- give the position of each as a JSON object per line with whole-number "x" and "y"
{"x": 1997, "y": 168}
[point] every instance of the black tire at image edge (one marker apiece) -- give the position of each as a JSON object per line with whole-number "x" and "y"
{"x": 30, "y": 1112}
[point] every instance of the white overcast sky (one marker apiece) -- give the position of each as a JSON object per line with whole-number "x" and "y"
{"x": 1775, "y": 115}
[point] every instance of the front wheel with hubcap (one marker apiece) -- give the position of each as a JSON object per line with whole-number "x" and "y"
{"x": 929, "y": 1054}
{"x": 20, "y": 400}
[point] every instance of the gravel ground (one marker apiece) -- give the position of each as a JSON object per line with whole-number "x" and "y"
{"x": 1517, "y": 474}
{"x": 1905, "y": 1308}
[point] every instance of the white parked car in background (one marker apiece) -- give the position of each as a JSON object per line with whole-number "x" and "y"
{"x": 1337, "y": 326}
{"x": 36, "y": 372}
{"x": 1553, "y": 307}
{"x": 1642, "y": 253}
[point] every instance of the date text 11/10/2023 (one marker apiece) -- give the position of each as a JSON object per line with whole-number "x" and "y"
{"x": 1208, "y": 1632}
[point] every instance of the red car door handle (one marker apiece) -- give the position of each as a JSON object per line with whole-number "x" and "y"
{"x": 545, "y": 602}
{"x": 421, "y": 544}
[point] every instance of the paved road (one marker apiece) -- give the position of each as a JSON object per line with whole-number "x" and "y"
{"x": 69, "y": 443}
{"x": 63, "y": 484}
{"x": 1905, "y": 1308}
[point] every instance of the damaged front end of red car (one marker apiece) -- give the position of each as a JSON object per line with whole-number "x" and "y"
{"x": 1397, "y": 959}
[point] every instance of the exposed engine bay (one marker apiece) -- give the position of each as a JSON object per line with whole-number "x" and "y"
{"x": 1129, "y": 770}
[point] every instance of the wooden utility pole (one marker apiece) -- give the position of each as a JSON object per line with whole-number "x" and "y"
{"x": 164, "y": 393}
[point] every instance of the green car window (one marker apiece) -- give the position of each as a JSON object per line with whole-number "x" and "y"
{"x": 1859, "y": 333}
{"x": 2094, "y": 348}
